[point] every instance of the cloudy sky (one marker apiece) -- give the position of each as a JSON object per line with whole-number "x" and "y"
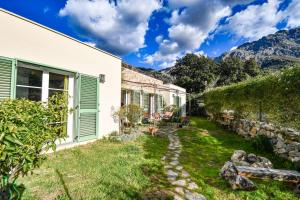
{"x": 154, "y": 33}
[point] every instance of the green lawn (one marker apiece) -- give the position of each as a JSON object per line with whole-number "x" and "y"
{"x": 206, "y": 147}
{"x": 102, "y": 170}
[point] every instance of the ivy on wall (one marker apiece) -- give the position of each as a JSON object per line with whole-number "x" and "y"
{"x": 275, "y": 96}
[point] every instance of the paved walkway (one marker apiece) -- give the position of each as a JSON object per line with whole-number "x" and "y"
{"x": 183, "y": 185}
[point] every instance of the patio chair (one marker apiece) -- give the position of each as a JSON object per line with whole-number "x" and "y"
{"x": 146, "y": 118}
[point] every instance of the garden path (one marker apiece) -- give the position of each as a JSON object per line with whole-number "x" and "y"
{"x": 177, "y": 176}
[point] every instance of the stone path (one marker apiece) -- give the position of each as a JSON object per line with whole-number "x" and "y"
{"x": 183, "y": 186}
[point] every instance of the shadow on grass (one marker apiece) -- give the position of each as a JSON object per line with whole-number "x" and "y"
{"x": 155, "y": 148}
{"x": 207, "y": 146}
{"x": 63, "y": 183}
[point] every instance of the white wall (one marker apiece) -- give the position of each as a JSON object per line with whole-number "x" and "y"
{"x": 23, "y": 39}
{"x": 168, "y": 96}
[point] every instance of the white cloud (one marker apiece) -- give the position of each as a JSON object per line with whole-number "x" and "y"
{"x": 117, "y": 26}
{"x": 233, "y": 48}
{"x": 292, "y": 14}
{"x": 255, "y": 21}
{"x": 191, "y": 22}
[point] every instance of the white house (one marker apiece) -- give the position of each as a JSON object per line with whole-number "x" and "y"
{"x": 37, "y": 61}
{"x": 150, "y": 93}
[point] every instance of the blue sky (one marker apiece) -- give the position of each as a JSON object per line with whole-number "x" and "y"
{"x": 154, "y": 33}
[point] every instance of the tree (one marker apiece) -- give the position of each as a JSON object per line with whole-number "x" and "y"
{"x": 26, "y": 129}
{"x": 234, "y": 70}
{"x": 252, "y": 68}
{"x": 193, "y": 72}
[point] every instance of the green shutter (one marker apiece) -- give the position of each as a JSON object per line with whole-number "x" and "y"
{"x": 88, "y": 104}
{"x": 146, "y": 102}
{"x": 158, "y": 103}
{"x": 136, "y": 98}
{"x": 6, "y": 78}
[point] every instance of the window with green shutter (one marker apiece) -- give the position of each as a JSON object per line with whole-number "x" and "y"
{"x": 6, "y": 78}
{"x": 146, "y": 102}
{"x": 135, "y": 98}
{"x": 158, "y": 103}
{"x": 87, "y": 105}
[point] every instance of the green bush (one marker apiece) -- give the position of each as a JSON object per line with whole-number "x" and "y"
{"x": 128, "y": 113}
{"x": 262, "y": 143}
{"x": 277, "y": 96}
{"x": 26, "y": 129}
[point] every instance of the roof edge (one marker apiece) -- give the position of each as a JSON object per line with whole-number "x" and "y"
{"x": 57, "y": 32}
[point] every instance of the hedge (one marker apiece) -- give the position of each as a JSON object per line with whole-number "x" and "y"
{"x": 276, "y": 96}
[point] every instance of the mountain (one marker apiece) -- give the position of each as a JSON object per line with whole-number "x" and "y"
{"x": 272, "y": 51}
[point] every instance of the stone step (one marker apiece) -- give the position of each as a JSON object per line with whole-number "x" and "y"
{"x": 266, "y": 173}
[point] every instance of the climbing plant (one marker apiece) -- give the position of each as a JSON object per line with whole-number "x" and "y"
{"x": 275, "y": 96}
{"x": 27, "y": 129}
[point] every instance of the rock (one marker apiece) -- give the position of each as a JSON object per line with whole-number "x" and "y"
{"x": 185, "y": 174}
{"x": 174, "y": 163}
{"x": 281, "y": 151}
{"x": 194, "y": 196}
{"x": 238, "y": 155}
{"x": 241, "y": 163}
{"x": 179, "y": 168}
{"x": 192, "y": 186}
{"x": 181, "y": 183}
{"x": 253, "y": 131}
{"x": 172, "y": 174}
{"x": 179, "y": 190}
{"x": 177, "y": 197}
{"x": 263, "y": 162}
{"x": 267, "y": 173}
{"x": 280, "y": 144}
{"x": 242, "y": 183}
{"x": 251, "y": 158}
{"x": 294, "y": 154}
{"x": 228, "y": 171}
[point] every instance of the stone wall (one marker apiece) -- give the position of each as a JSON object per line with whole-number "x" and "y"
{"x": 285, "y": 141}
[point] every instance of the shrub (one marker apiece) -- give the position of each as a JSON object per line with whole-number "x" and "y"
{"x": 262, "y": 143}
{"x": 276, "y": 96}
{"x": 129, "y": 113}
{"x": 26, "y": 129}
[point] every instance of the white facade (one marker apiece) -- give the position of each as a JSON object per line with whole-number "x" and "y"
{"x": 171, "y": 94}
{"x": 136, "y": 82}
{"x": 25, "y": 40}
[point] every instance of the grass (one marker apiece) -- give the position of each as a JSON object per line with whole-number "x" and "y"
{"x": 206, "y": 147}
{"x": 102, "y": 170}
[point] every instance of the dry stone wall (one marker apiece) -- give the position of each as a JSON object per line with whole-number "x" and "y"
{"x": 285, "y": 141}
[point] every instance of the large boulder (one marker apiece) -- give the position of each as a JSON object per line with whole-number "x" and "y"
{"x": 238, "y": 155}
{"x": 241, "y": 158}
{"x": 230, "y": 173}
{"x": 242, "y": 183}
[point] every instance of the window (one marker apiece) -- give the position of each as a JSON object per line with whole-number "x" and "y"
{"x": 159, "y": 103}
{"x": 135, "y": 98}
{"x": 38, "y": 83}
{"x": 146, "y": 102}
{"x": 57, "y": 83}
{"x": 29, "y": 84}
